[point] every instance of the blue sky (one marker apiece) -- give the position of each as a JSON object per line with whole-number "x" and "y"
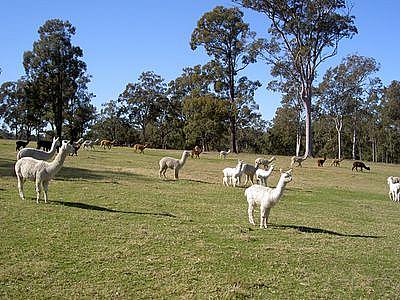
{"x": 122, "y": 39}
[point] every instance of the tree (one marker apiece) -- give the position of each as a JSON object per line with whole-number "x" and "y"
{"x": 229, "y": 41}
{"x": 342, "y": 89}
{"x": 304, "y": 33}
{"x": 55, "y": 70}
{"x": 142, "y": 102}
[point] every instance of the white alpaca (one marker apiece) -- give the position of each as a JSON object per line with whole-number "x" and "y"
{"x": 173, "y": 163}
{"x": 394, "y": 188}
{"x": 262, "y": 175}
{"x": 39, "y": 154}
{"x": 265, "y": 162}
{"x": 224, "y": 153}
{"x": 89, "y": 144}
{"x": 265, "y": 197}
{"x": 40, "y": 171}
{"x": 232, "y": 175}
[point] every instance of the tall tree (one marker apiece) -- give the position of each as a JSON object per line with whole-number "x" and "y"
{"x": 304, "y": 33}
{"x": 55, "y": 67}
{"x": 228, "y": 39}
{"x": 142, "y": 102}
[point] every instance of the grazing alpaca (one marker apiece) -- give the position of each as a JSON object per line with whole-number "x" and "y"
{"x": 232, "y": 175}
{"x": 75, "y": 147}
{"x": 262, "y": 175}
{"x": 140, "y": 147}
{"x": 196, "y": 152}
{"x": 265, "y": 197}
{"x": 265, "y": 162}
{"x": 40, "y": 171}
{"x": 21, "y": 144}
{"x": 394, "y": 188}
{"x": 173, "y": 163}
{"x": 359, "y": 164}
{"x": 321, "y": 161}
{"x": 298, "y": 160}
{"x": 224, "y": 153}
{"x": 107, "y": 143}
{"x": 336, "y": 162}
{"x": 39, "y": 154}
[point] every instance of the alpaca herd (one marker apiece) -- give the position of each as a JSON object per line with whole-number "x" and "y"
{"x": 33, "y": 164}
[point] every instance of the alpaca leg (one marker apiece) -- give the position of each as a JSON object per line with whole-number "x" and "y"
{"x": 176, "y": 173}
{"x": 264, "y": 217}
{"x": 247, "y": 179}
{"x": 38, "y": 190}
{"x": 21, "y": 187}
{"x": 45, "y": 189}
{"x": 250, "y": 213}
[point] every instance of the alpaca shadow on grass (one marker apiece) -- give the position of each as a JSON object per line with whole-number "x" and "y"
{"x": 100, "y": 208}
{"x": 306, "y": 229}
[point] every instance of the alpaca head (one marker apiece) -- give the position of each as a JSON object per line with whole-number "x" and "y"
{"x": 66, "y": 147}
{"x": 286, "y": 176}
{"x": 390, "y": 180}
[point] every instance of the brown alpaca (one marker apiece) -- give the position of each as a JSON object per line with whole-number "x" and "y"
{"x": 140, "y": 147}
{"x": 196, "y": 152}
{"x": 321, "y": 161}
{"x": 336, "y": 162}
{"x": 359, "y": 164}
{"x": 107, "y": 143}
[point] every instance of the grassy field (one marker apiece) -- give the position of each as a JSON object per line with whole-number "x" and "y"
{"x": 113, "y": 229}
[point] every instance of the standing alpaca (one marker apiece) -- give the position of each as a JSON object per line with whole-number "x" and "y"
{"x": 40, "y": 171}
{"x": 140, "y": 147}
{"x": 262, "y": 175}
{"x": 249, "y": 171}
{"x": 89, "y": 144}
{"x": 394, "y": 188}
{"x": 232, "y": 175}
{"x": 224, "y": 153}
{"x": 173, "y": 163}
{"x": 196, "y": 152}
{"x": 336, "y": 162}
{"x": 107, "y": 143}
{"x": 21, "y": 144}
{"x": 39, "y": 154}
{"x": 266, "y": 197}
{"x": 298, "y": 160}
{"x": 321, "y": 161}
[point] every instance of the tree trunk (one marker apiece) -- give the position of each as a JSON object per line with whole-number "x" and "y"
{"x": 298, "y": 143}
{"x": 306, "y": 98}
{"x": 233, "y": 134}
{"x": 354, "y": 143}
{"x": 339, "y": 125}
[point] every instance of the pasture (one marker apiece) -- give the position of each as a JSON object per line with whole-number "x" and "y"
{"x": 113, "y": 229}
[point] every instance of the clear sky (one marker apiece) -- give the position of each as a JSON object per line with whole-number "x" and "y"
{"x": 123, "y": 38}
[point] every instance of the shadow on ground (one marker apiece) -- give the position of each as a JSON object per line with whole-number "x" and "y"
{"x": 105, "y": 209}
{"x": 306, "y": 229}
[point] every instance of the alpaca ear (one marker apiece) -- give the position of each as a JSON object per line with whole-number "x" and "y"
{"x": 289, "y": 171}
{"x": 281, "y": 171}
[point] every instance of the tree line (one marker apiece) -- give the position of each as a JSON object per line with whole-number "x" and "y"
{"x": 349, "y": 113}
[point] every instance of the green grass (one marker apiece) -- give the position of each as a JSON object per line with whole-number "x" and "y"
{"x": 113, "y": 229}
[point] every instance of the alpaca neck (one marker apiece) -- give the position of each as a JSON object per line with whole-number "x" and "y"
{"x": 53, "y": 148}
{"x": 278, "y": 191}
{"x": 183, "y": 159}
{"x": 58, "y": 162}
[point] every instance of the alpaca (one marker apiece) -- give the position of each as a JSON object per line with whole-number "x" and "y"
{"x": 265, "y": 162}
{"x": 262, "y": 175}
{"x": 39, "y": 154}
{"x": 232, "y": 175}
{"x": 173, "y": 163}
{"x": 320, "y": 161}
{"x": 266, "y": 197}
{"x": 361, "y": 165}
{"x": 140, "y": 147}
{"x": 46, "y": 145}
{"x": 107, "y": 143}
{"x": 40, "y": 171}
{"x": 89, "y": 144}
{"x": 224, "y": 153}
{"x": 298, "y": 160}
{"x": 336, "y": 162}
{"x": 21, "y": 144}
{"x": 196, "y": 152}
{"x": 394, "y": 188}
{"x": 76, "y": 148}
{"x": 249, "y": 171}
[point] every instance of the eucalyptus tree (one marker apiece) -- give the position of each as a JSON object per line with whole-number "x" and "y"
{"x": 304, "y": 34}
{"x": 142, "y": 102}
{"x": 55, "y": 67}
{"x": 229, "y": 41}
